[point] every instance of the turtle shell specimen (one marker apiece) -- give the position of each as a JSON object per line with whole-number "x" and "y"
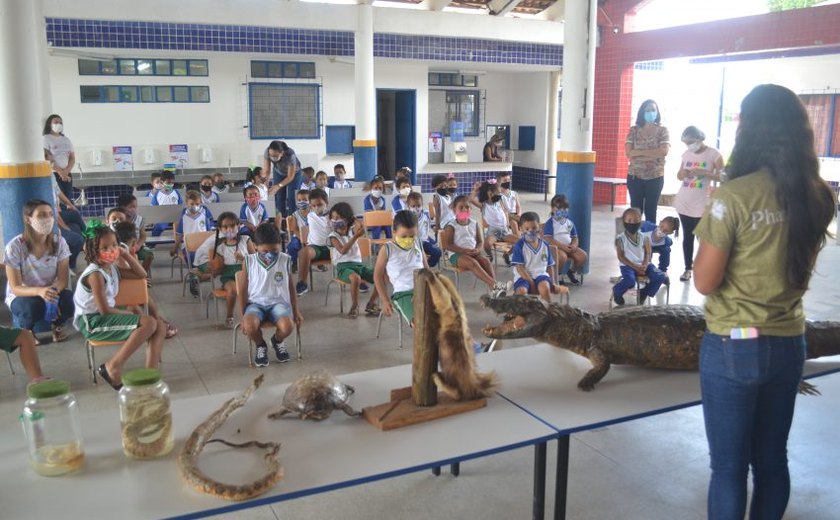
{"x": 315, "y": 396}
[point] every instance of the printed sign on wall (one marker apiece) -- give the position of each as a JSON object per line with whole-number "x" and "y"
{"x": 123, "y": 160}
{"x": 178, "y": 153}
{"x": 435, "y": 142}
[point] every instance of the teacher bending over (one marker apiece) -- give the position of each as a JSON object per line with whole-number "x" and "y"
{"x": 37, "y": 269}
{"x": 284, "y": 166}
{"x": 759, "y": 242}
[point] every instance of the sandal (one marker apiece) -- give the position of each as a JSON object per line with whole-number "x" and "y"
{"x": 686, "y": 276}
{"x": 354, "y": 313}
{"x": 103, "y": 373}
{"x": 58, "y": 334}
{"x": 229, "y": 323}
{"x": 372, "y": 310}
{"x": 171, "y": 330}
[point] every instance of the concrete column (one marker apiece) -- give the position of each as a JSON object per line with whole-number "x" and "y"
{"x": 576, "y": 160}
{"x": 24, "y": 174}
{"x": 364, "y": 145}
{"x": 551, "y": 131}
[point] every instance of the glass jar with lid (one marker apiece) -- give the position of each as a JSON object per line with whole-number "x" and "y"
{"x": 51, "y": 425}
{"x": 145, "y": 415}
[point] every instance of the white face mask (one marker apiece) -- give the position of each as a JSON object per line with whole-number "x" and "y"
{"x": 57, "y": 128}
{"x": 42, "y": 226}
{"x": 694, "y": 147}
{"x": 405, "y": 191}
{"x": 376, "y": 193}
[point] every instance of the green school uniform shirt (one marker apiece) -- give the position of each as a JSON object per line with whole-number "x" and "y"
{"x": 745, "y": 218}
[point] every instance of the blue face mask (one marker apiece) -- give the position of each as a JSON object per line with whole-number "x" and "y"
{"x": 302, "y": 204}
{"x": 268, "y": 257}
{"x": 561, "y": 213}
{"x": 531, "y": 236}
{"x": 650, "y": 117}
{"x": 338, "y": 224}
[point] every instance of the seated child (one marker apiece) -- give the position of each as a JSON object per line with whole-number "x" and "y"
{"x": 298, "y": 226}
{"x": 486, "y": 196}
{"x": 12, "y": 339}
{"x": 253, "y": 212}
{"x": 128, "y": 202}
{"x": 307, "y": 181}
{"x": 127, "y": 238}
{"x": 115, "y": 216}
{"x": 560, "y": 232}
{"x": 208, "y": 196}
{"x": 232, "y": 248}
{"x": 660, "y": 242}
{"x": 375, "y": 201}
{"x": 510, "y": 199}
{"x": 266, "y": 293}
{"x": 194, "y": 219}
{"x": 219, "y": 184}
{"x": 633, "y": 249}
{"x": 398, "y": 260}
{"x": 255, "y": 177}
{"x": 347, "y": 257}
{"x": 424, "y": 227}
{"x": 317, "y": 225}
{"x": 321, "y": 182}
{"x": 402, "y": 189}
{"x": 452, "y": 185}
{"x": 157, "y": 185}
{"x": 441, "y": 201}
{"x": 339, "y": 182}
{"x": 167, "y": 195}
{"x": 95, "y": 296}
{"x": 461, "y": 239}
{"x": 403, "y": 173}
{"x": 531, "y": 258}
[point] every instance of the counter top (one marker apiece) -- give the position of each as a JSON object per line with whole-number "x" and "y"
{"x": 467, "y": 167}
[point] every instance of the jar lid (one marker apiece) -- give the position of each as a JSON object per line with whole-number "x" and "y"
{"x": 45, "y": 389}
{"x": 141, "y": 377}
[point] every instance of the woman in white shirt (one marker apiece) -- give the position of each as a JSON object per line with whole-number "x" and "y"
{"x": 58, "y": 150}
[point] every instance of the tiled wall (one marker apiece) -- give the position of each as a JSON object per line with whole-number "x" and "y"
{"x": 100, "y": 198}
{"x": 529, "y": 179}
{"x": 68, "y": 32}
{"x": 465, "y": 180}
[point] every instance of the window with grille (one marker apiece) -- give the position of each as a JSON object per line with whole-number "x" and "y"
{"x": 824, "y": 113}
{"x": 284, "y": 111}
{"x": 446, "y": 106}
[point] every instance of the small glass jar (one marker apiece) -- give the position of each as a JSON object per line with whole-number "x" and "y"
{"x": 51, "y": 425}
{"x": 145, "y": 415}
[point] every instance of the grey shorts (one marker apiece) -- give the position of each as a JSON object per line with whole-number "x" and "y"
{"x": 498, "y": 233}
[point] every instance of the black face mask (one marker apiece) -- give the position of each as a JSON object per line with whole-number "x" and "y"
{"x": 632, "y": 228}
{"x": 442, "y": 192}
{"x": 451, "y": 190}
{"x": 496, "y": 198}
{"x": 206, "y": 187}
{"x": 505, "y": 185}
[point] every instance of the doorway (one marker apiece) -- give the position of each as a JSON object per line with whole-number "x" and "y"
{"x": 396, "y": 131}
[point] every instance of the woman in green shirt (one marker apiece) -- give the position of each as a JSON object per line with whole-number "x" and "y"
{"x": 759, "y": 241}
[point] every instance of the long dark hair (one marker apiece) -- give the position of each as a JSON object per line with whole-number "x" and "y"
{"x": 48, "y": 124}
{"x": 640, "y": 115}
{"x": 775, "y": 134}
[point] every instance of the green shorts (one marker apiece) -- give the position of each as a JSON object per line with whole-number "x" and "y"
{"x": 228, "y": 272}
{"x": 453, "y": 259}
{"x": 321, "y": 252}
{"x": 8, "y": 336}
{"x": 144, "y": 253}
{"x": 405, "y": 301}
{"x": 345, "y": 269}
{"x": 110, "y": 327}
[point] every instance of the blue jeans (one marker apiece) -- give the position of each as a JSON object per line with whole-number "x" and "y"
{"x": 749, "y": 389}
{"x": 431, "y": 248}
{"x": 644, "y": 195}
{"x": 628, "y": 281}
{"x": 29, "y": 310}
{"x": 284, "y": 198}
{"x": 664, "y": 254}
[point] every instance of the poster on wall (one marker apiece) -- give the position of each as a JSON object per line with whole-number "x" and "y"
{"x": 178, "y": 154}
{"x": 435, "y": 142}
{"x": 123, "y": 160}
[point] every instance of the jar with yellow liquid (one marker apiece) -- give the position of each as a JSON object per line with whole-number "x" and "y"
{"x": 144, "y": 415}
{"x": 51, "y": 424}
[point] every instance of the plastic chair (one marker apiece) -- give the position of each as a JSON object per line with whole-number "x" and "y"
{"x": 379, "y": 218}
{"x": 132, "y": 292}
{"x": 263, "y": 325}
{"x": 192, "y": 241}
{"x": 365, "y": 248}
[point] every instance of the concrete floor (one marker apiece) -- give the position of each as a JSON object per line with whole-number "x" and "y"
{"x": 653, "y": 468}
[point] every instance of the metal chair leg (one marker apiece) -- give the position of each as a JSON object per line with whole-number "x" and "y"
{"x": 379, "y": 324}
{"x": 9, "y": 359}
{"x": 235, "y": 328}
{"x": 399, "y": 327}
{"x": 299, "y": 343}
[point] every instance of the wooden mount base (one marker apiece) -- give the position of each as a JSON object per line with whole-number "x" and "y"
{"x": 401, "y": 411}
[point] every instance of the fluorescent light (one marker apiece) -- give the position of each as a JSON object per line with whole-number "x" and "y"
{"x": 143, "y": 66}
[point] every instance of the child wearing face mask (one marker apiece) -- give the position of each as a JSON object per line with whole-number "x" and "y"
{"x": 510, "y": 199}
{"x": 561, "y": 234}
{"x": 219, "y": 184}
{"x": 397, "y": 262}
{"x": 298, "y": 226}
{"x": 96, "y": 316}
{"x": 461, "y": 239}
{"x": 531, "y": 259}
{"x": 255, "y": 178}
{"x": 321, "y": 182}
{"x": 194, "y": 219}
{"x": 253, "y": 212}
{"x": 347, "y": 257}
{"x": 316, "y": 239}
{"x": 208, "y": 196}
{"x": 307, "y": 181}
{"x": 660, "y": 240}
{"x": 338, "y": 182}
{"x": 375, "y": 201}
{"x": 232, "y": 248}
{"x": 403, "y": 188}
{"x": 485, "y": 195}
{"x": 634, "y": 252}
{"x": 115, "y": 215}
{"x": 157, "y": 185}
{"x": 166, "y": 195}
{"x": 441, "y": 201}
{"x": 128, "y": 202}
{"x": 424, "y": 228}
{"x": 266, "y": 293}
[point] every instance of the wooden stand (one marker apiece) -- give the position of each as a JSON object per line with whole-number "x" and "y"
{"x": 421, "y": 401}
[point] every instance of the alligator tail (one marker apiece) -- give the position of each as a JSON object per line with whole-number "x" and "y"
{"x": 822, "y": 338}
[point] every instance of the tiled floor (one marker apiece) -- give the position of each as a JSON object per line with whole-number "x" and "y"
{"x": 654, "y": 468}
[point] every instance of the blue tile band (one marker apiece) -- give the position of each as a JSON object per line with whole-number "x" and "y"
{"x": 112, "y": 34}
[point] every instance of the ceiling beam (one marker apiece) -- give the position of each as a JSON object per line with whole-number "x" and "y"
{"x": 502, "y": 7}
{"x": 436, "y": 5}
{"x": 555, "y": 13}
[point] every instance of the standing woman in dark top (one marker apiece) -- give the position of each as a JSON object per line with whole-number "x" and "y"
{"x": 491, "y": 149}
{"x": 646, "y": 146}
{"x": 284, "y": 166}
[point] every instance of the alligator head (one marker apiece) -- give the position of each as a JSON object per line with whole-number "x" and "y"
{"x": 524, "y": 316}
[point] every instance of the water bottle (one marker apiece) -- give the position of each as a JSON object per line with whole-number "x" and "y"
{"x": 51, "y": 313}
